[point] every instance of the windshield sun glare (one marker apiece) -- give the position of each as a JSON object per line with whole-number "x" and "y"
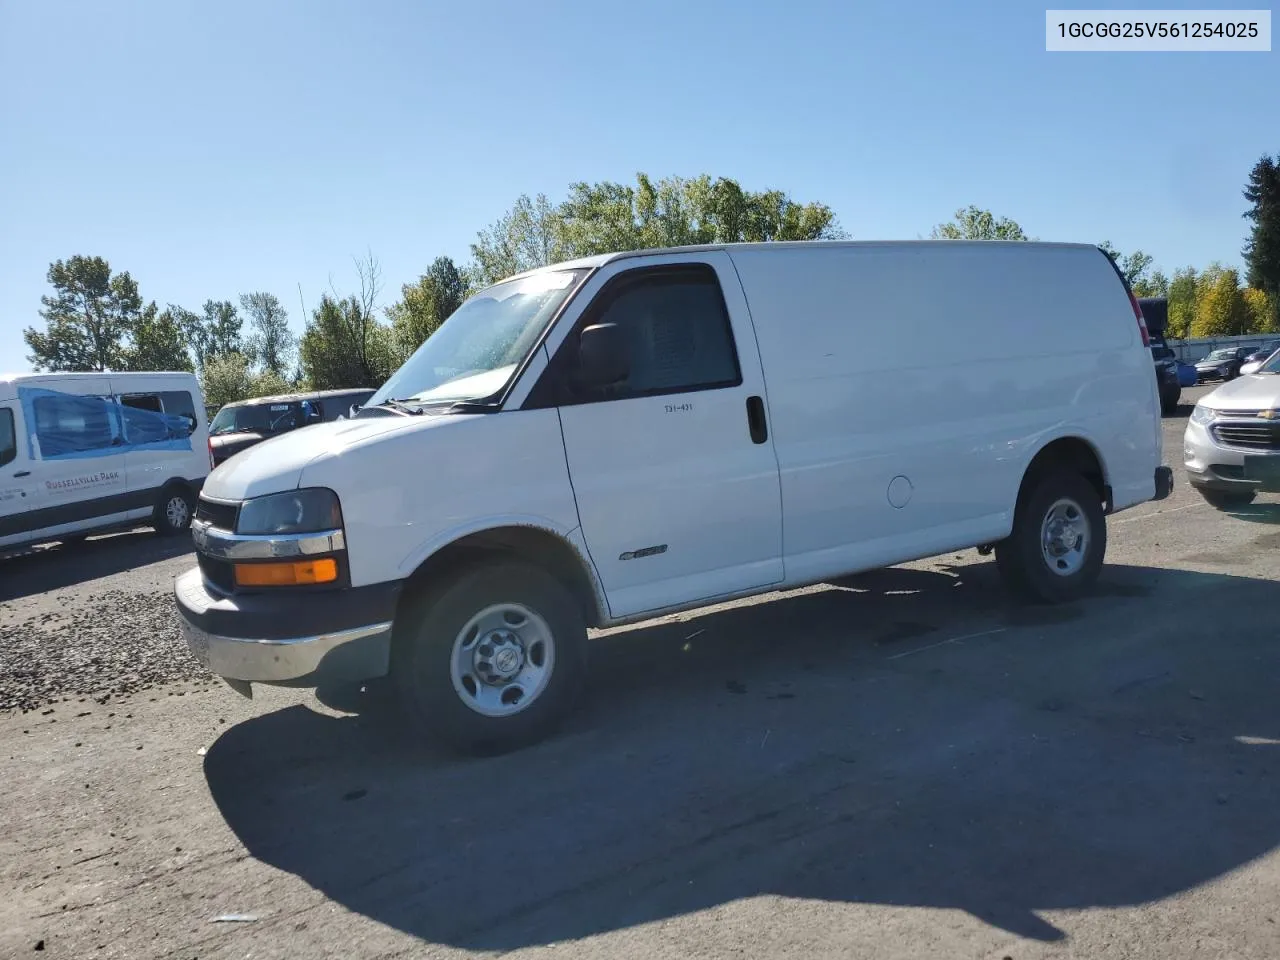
{"x": 477, "y": 350}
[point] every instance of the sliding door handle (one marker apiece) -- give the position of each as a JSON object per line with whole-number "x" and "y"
{"x": 755, "y": 420}
{"x": 23, "y": 473}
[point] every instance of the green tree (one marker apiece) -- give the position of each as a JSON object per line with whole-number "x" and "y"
{"x": 1182, "y": 302}
{"x": 1220, "y": 306}
{"x": 226, "y": 378}
{"x": 220, "y": 332}
{"x": 88, "y": 317}
{"x": 973, "y": 223}
{"x": 606, "y": 217}
{"x": 1155, "y": 285}
{"x": 229, "y": 377}
{"x": 344, "y": 344}
{"x": 525, "y": 237}
{"x": 424, "y": 305}
{"x": 271, "y": 343}
{"x": 1263, "y": 311}
{"x": 1134, "y": 266}
{"x": 1262, "y": 249}
{"x": 157, "y": 342}
{"x": 269, "y": 383}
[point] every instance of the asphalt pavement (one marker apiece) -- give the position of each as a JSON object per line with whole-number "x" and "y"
{"x": 903, "y": 764}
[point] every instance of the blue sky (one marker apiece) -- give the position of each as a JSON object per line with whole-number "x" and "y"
{"x": 217, "y": 148}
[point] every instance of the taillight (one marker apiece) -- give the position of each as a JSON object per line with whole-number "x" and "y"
{"x": 1142, "y": 322}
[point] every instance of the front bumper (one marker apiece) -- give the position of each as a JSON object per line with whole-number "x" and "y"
{"x": 303, "y": 639}
{"x": 1211, "y": 465}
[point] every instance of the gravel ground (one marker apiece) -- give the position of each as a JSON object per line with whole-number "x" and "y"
{"x": 91, "y": 622}
{"x": 116, "y": 643}
{"x": 901, "y": 765}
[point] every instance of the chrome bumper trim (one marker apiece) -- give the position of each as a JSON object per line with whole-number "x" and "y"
{"x": 273, "y": 661}
{"x": 223, "y": 545}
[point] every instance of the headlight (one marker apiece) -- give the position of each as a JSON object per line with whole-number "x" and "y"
{"x": 1203, "y": 414}
{"x": 298, "y": 511}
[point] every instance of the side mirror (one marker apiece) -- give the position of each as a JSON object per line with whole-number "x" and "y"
{"x": 603, "y": 356}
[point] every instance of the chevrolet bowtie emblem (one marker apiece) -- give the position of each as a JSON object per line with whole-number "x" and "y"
{"x": 1267, "y": 414}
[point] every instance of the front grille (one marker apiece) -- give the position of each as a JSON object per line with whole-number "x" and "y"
{"x": 221, "y": 515}
{"x": 1253, "y": 436}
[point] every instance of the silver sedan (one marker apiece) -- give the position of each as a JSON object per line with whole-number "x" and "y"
{"x": 1231, "y": 448}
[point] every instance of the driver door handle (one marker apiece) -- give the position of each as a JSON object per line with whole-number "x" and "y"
{"x": 23, "y": 473}
{"x": 756, "y": 421}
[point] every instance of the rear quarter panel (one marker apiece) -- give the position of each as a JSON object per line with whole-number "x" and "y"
{"x": 951, "y": 364}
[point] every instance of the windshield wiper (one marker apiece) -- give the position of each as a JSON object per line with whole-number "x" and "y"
{"x": 471, "y": 406}
{"x": 399, "y": 405}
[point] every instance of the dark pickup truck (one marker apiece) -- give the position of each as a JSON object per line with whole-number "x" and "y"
{"x": 243, "y": 424}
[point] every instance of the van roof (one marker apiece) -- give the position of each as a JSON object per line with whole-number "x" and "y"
{"x": 600, "y": 259}
{"x": 9, "y": 382}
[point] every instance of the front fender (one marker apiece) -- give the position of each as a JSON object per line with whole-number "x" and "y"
{"x": 571, "y": 537}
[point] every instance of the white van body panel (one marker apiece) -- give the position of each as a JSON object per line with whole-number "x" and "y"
{"x": 676, "y": 473}
{"x": 276, "y": 464}
{"x": 906, "y": 388}
{"x": 422, "y": 482}
{"x": 1040, "y": 343}
{"x": 96, "y": 489}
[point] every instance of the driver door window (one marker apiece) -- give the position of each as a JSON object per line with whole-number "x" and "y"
{"x": 677, "y": 330}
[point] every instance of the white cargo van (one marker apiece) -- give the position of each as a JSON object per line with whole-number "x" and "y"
{"x": 628, "y": 435}
{"x": 84, "y": 453}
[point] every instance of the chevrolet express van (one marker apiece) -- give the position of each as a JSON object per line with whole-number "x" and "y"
{"x": 84, "y": 453}
{"x": 624, "y": 436}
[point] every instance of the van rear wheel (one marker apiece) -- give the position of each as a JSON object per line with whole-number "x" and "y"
{"x": 491, "y": 660}
{"x": 1059, "y": 539}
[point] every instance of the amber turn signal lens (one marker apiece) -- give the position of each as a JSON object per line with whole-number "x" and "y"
{"x": 292, "y": 574}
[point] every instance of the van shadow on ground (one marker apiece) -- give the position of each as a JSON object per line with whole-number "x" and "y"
{"x": 58, "y": 565}
{"x": 1103, "y": 754}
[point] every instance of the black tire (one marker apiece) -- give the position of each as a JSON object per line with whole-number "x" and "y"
{"x": 168, "y": 518}
{"x": 1020, "y": 558}
{"x": 424, "y": 647}
{"x": 1226, "y": 499}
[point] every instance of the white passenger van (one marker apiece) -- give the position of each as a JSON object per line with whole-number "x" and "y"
{"x": 84, "y": 453}
{"x": 624, "y": 436}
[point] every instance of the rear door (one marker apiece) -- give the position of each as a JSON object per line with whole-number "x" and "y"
{"x": 673, "y": 470}
{"x": 158, "y": 427}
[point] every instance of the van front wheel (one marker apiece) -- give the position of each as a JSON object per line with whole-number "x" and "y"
{"x": 1059, "y": 538}
{"x": 492, "y": 659}
{"x": 172, "y": 512}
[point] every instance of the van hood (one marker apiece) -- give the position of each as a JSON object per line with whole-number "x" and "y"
{"x": 1253, "y": 392}
{"x": 275, "y": 465}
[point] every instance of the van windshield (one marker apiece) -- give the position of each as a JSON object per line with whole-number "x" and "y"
{"x": 476, "y": 351}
